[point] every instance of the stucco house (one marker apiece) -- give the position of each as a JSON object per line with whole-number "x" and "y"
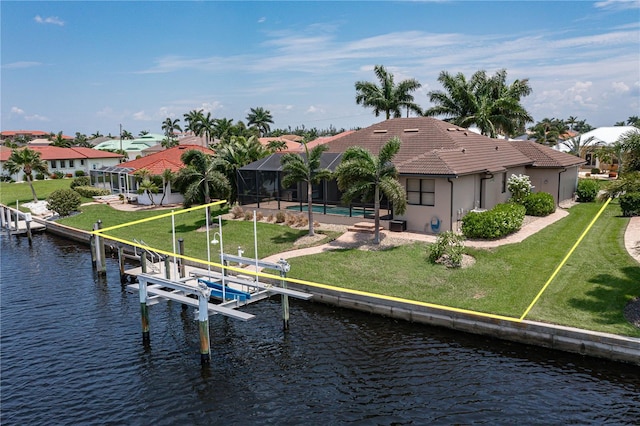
{"x": 68, "y": 160}
{"x": 133, "y": 147}
{"x": 446, "y": 171}
{"x": 602, "y": 136}
{"x": 121, "y": 179}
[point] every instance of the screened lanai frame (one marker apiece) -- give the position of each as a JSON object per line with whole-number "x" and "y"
{"x": 259, "y": 185}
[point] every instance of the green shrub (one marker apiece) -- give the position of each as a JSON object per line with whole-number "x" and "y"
{"x": 519, "y": 186}
{"x": 80, "y": 181}
{"x": 539, "y": 204}
{"x": 630, "y": 204}
{"x": 79, "y": 173}
{"x": 595, "y": 171}
{"x": 91, "y": 191}
{"x": 501, "y": 220}
{"x": 64, "y": 201}
{"x": 57, "y": 175}
{"x": 447, "y": 249}
{"x": 587, "y": 190}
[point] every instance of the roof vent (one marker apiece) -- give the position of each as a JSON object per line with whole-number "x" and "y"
{"x": 379, "y": 131}
{"x": 466, "y": 134}
{"x": 464, "y": 150}
{"x": 451, "y": 129}
{"x": 496, "y": 147}
{"x": 411, "y": 130}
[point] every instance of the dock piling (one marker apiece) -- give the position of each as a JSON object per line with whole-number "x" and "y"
{"x": 204, "y": 292}
{"x": 100, "y": 255}
{"x": 144, "y": 311}
{"x": 181, "y": 253}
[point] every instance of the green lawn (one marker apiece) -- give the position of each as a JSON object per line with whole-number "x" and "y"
{"x": 590, "y": 291}
{"x": 10, "y": 192}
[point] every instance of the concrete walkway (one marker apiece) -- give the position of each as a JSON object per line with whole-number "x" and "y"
{"x": 355, "y": 239}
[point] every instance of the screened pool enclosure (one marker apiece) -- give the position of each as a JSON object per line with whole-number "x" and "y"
{"x": 259, "y": 185}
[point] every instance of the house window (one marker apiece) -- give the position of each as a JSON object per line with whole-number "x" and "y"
{"x": 421, "y": 192}
{"x": 82, "y": 162}
{"x": 62, "y": 164}
{"x": 53, "y": 164}
{"x": 70, "y": 163}
{"x": 504, "y": 182}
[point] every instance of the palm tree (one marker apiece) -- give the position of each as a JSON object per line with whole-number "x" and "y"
{"x": 96, "y": 135}
{"x": 168, "y": 177}
{"x": 571, "y": 122}
{"x": 193, "y": 119}
{"x": 222, "y": 128}
{"x": 388, "y": 97}
{"x": 297, "y": 168}
{"x": 362, "y": 174}
{"x": 59, "y": 140}
{"x": 143, "y": 132}
{"x": 200, "y": 179}
{"x": 28, "y": 161}
{"x": 487, "y": 102}
{"x": 147, "y": 184}
{"x": 576, "y": 146}
{"x": 81, "y": 140}
{"x": 548, "y": 131}
{"x": 260, "y": 118}
{"x": 126, "y": 134}
{"x": 170, "y": 126}
{"x": 634, "y": 120}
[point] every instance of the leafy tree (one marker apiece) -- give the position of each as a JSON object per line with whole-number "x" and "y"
{"x": 619, "y": 123}
{"x": 170, "y": 126}
{"x": 200, "y": 179}
{"x": 389, "y": 97}
{"x": 548, "y": 131}
{"x": 64, "y": 201}
{"x": 571, "y": 122}
{"x": 96, "y": 135}
{"x": 169, "y": 142}
{"x": 362, "y": 174}
{"x": 582, "y": 127}
{"x": 82, "y": 140}
{"x": 297, "y": 168}
{"x": 168, "y": 177}
{"x": 28, "y": 161}
{"x": 275, "y": 145}
{"x": 59, "y": 140}
{"x": 193, "y": 119}
{"x": 260, "y": 118}
{"x": 576, "y": 146}
{"x": 126, "y": 134}
{"x": 634, "y": 120}
{"x": 222, "y": 128}
{"x": 148, "y": 186}
{"x": 487, "y": 102}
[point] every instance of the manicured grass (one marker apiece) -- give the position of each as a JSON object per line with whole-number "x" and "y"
{"x": 590, "y": 292}
{"x": 10, "y": 192}
{"x": 191, "y": 228}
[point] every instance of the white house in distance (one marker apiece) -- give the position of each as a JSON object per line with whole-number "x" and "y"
{"x": 133, "y": 147}
{"x": 602, "y": 136}
{"x": 67, "y": 160}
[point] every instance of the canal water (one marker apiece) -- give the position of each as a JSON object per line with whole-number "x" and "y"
{"x": 72, "y": 354}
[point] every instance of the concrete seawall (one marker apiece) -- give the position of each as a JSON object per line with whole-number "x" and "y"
{"x": 568, "y": 339}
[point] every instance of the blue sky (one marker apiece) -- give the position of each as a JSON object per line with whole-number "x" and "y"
{"x": 91, "y": 66}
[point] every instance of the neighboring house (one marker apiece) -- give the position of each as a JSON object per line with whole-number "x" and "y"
{"x": 602, "y": 136}
{"x": 446, "y": 170}
{"x": 121, "y": 179}
{"x": 68, "y": 160}
{"x": 133, "y": 147}
{"x": 31, "y": 134}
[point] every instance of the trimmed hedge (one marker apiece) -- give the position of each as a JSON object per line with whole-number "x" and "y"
{"x": 80, "y": 181}
{"x": 630, "y": 204}
{"x": 91, "y": 191}
{"x": 587, "y": 190}
{"x": 539, "y": 204}
{"x": 64, "y": 201}
{"x": 501, "y": 220}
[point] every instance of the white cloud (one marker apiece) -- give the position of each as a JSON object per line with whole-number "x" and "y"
{"x": 618, "y": 4}
{"x": 261, "y": 20}
{"x": 17, "y": 111}
{"x": 36, "y": 117}
{"x": 314, "y": 110}
{"x": 141, "y": 116}
{"x": 49, "y": 20}
{"x": 21, "y": 65}
{"x": 619, "y": 87}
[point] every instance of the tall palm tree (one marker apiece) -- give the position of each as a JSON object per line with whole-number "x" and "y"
{"x": 81, "y": 140}
{"x": 297, "y": 168}
{"x": 634, "y": 120}
{"x": 28, "y": 161}
{"x": 576, "y": 146}
{"x": 59, "y": 140}
{"x": 260, "y": 118}
{"x": 126, "y": 134}
{"x": 571, "y": 122}
{"x": 222, "y": 128}
{"x": 200, "y": 179}
{"x": 548, "y": 131}
{"x": 96, "y": 135}
{"x": 388, "y": 97}
{"x": 487, "y": 102}
{"x": 193, "y": 119}
{"x": 362, "y": 174}
{"x": 169, "y": 127}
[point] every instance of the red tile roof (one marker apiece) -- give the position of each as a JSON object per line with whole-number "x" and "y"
{"x": 158, "y": 162}
{"x": 48, "y": 153}
{"x": 32, "y": 133}
{"x": 544, "y": 156}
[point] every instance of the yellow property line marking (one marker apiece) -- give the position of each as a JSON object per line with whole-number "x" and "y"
{"x": 171, "y": 213}
{"x": 535, "y": 300}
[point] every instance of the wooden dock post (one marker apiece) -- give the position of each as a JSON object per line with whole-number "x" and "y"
{"x": 181, "y": 253}
{"x": 144, "y": 310}
{"x": 27, "y": 221}
{"x": 204, "y": 292}
{"x": 8, "y": 221}
{"x": 123, "y": 276}
{"x": 167, "y": 267}
{"x": 101, "y": 261}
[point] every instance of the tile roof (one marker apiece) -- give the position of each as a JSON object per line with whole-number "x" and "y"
{"x": 32, "y": 133}
{"x": 434, "y": 147}
{"x": 49, "y": 153}
{"x": 158, "y": 162}
{"x": 544, "y": 156}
